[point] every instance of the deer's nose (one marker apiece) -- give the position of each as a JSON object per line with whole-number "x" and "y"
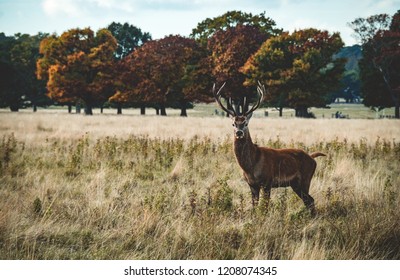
{"x": 239, "y": 133}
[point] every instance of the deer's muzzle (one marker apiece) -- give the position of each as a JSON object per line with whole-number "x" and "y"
{"x": 239, "y": 134}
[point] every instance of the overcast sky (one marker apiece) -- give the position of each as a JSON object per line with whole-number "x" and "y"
{"x": 164, "y": 17}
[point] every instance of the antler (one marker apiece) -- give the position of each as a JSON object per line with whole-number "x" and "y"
{"x": 261, "y": 92}
{"x": 217, "y": 96}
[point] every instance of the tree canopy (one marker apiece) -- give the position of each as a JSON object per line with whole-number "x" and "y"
{"x": 157, "y": 72}
{"x": 230, "y": 50}
{"x": 298, "y": 69}
{"x": 78, "y": 66}
{"x": 123, "y": 66}
{"x": 18, "y": 83}
{"x": 208, "y": 27}
{"x": 380, "y": 65}
{"x": 128, "y": 38}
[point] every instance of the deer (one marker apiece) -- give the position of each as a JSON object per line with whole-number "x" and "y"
{"x": 265, "y": 167}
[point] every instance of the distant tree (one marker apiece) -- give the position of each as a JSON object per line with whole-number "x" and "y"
{"x": 230, "y": 49}
{"x": 380, "y": 65}
{"x": 10, "y": 93}
{"x": 197, "y": 80}
{"x": 298, "y": 69}
{"x": 157, "y": 72}
{"x": 231, "y": 39}
{"x": 208, "y": 27}
{"x": 350, "y": 85}
{"x": 78, "y": 65}
{"x": 19, "y": 86}
{"x": 128, "y": 38}
{"x": 196, "y": 83}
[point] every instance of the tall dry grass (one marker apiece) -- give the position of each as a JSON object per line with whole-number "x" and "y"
{"x": 130, "y": 187}
{"x": 39, "y": 126}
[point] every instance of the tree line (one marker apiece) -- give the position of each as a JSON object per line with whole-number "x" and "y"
{"x": 121, "y": 66}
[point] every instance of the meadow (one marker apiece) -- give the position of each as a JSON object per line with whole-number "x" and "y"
{"x": 148, "y": 187}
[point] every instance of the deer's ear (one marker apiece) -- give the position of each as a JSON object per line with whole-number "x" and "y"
{"x": 248, "y": 117}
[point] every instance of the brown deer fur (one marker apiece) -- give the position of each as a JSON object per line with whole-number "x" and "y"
{"x": 271, "y": 168}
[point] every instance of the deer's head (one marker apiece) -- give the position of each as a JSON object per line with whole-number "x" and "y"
{"x": 240, "y": 122}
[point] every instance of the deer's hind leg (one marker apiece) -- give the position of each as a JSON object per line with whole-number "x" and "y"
{"x": 267, "y": 195}
{"x": 302, "y": 191}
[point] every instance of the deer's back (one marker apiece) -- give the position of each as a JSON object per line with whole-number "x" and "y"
{"x": 276, "y": 166}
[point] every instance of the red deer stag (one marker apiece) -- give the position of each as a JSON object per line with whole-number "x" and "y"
{"x": 265, "y": 167}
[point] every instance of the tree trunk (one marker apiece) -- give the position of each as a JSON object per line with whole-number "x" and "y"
{"x": 157, "y": 111}
{"x": 280, "y": 111}
{"x": 396, "y": 101}
{"x": 88, "y": 110}
{"x": 119, "y": 109}
{"x": 183, "y": 110}
{"x": 163, "y": 111}
{"x": 34, "y": 107}
{"x": 301, "y": 112}
{"x": 69, "y": 108}
{"x": 393, "y": 93}
{"x": 78, "y": 108}
{"x": 143, "y": 110}
{"x": 101, "y": 109}
{"x": 14, "y": 108}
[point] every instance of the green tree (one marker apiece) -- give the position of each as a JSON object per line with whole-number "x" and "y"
{"x": 78, "y": 65}
{"x": 380, "y": 65}
{"x": 19, "y": 86}
{"x": 298, "y": 69}
{"x": 128, "y": 38}
{"x": 208, "y": 27}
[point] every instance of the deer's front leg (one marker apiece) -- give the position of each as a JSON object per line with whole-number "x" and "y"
{"x": 267, "y": 196}
{"x": 255, "y": 194}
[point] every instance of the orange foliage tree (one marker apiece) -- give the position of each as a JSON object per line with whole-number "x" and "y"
{"x": 78, "y": 66}
{"x": 230, "y": 50}
{"x": 231, "y": 39}
{"x": 157, "y": 74}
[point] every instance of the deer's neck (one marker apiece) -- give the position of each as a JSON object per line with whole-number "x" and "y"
{"x": 246, "y": 152}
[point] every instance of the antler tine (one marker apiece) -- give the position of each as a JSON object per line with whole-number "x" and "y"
{"x": 217, "y": 97}
{"x": 261, "y": 91}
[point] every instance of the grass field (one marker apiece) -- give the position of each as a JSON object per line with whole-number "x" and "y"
{"x": 132, "y": 187}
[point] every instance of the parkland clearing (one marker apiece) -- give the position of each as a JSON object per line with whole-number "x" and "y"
{"x": 149, "y": 187}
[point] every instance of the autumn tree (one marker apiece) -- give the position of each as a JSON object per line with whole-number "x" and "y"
{"x": 380, "y": 65}
{"x": 230, "y": 49}
{"x": 157, "y": 72}
{"x": 78, "y": 65}
{"x": 231, "y": 39}
{"x": 129, "y": 38}
{"x": 298, "y": 69}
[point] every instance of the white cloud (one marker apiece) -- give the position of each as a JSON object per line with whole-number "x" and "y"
{"x": 62, "y": 7}
{"x": 80, "y": 8}
{"x": 127, "y": 6}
